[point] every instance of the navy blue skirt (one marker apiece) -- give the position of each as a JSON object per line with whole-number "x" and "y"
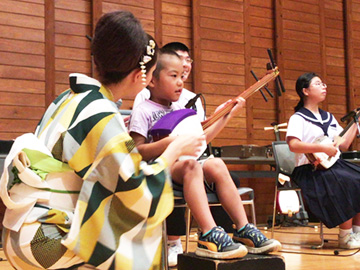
{"x": 332, "y": 195}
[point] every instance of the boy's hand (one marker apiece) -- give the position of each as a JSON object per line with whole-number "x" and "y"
{"x": 223, "y": 105}
{"x": 239, "y": 105}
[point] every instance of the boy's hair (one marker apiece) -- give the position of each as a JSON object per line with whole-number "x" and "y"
{"x": 159, "y": 64}
{"x": 177, "y": 46}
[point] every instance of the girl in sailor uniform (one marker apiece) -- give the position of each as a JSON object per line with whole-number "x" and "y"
{"x": 332, "y": 194}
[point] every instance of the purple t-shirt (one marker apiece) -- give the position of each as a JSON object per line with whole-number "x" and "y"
{"x": 146, "y": 114}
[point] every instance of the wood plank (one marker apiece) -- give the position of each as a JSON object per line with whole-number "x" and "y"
{"x": 261, "y": 12}
{"x": 72, "y": 16}
{"x": 19, "y": 33}
{"x": 224, "y": 68}
{"x": 221, "y": 35}
{"x": 209, "y": 89}
{"x": 335, "y": 61}
{"x": 135, "y": 3}
{"x": 21, "y": 46}
{"x": 73, "y": 66}
{"x": 262, "y": 22}
{"x": 138, "y": 11}
{"x": 224, "y": 4}
{"x": 22, "y": 99}
{"x": 27, "y": 73}
{"x": 295, "y": 15}
{"x": 79, "y": 5}
{"x": 299, "y": 36}
{"x": 300, "y": 6}
{"x": 176, "y": 31}
{"x": 223, "y": 25}
{"x": 261, "y": 32}
{"x": 302, "y": 26}
{"x": 178, "y": 10}
{"x": 334, "y": 23}
{"x": 224, "y": 79}
{"x": 179, "y": 2}
{"x": 71, "y": 41}
{"x": 17, "y": 7}
{"x": 171, "y": 19}
{"x": 72, "y": 29}
{"x": 21, "y": 59}
{"x": 18, "y": 126}
{"x": 20, "y": 20}
{"x": 216, "y": 13}
{"x": 18, "y": 86}
{"x": 301, "y": 47}
{"x": 49, "y": 52}
{"x": 73, "y": 53}
{"x": 21, "y": 111}
{"x": 158, "y": 22}
{"x": 222, "y": 46}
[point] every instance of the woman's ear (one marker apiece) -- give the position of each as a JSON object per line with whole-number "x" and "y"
{"x": 137, "y": 75}
{"x": 305, "y": 91}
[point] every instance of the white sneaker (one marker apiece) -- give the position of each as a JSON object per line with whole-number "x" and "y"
{"x": 357, "y": 236}
{"x": 173, "y": 251}
{"x": 349, "y": 241}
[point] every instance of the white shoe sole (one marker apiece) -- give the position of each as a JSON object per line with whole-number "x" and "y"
{"x": 237, "y": 253}
{"x": 274, "y": 246}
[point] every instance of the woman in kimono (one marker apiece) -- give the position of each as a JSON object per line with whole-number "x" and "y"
{"x": 78, "y": 194}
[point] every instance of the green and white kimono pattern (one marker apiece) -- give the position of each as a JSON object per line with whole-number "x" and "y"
{"x": 78, "y": 192}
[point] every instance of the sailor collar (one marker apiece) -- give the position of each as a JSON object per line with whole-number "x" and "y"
{"x": 309, "y": 116}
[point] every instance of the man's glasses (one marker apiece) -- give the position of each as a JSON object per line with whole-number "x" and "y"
{"x": 320, "y": 84}
{"x": 187, "y": 59}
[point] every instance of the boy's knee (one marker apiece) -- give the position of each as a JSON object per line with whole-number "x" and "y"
{"x": 191, "y": 164}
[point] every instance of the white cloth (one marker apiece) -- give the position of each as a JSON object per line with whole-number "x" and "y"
{"x": 185, "y": 96}
{"x": 307, "y": 132}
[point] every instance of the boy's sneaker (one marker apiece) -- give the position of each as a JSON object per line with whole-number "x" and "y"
{"x": 349, "y": 241}
{"x": 255, "y": 241}
{"x": 217, "y": 244}
{"x": 173, "y": 251}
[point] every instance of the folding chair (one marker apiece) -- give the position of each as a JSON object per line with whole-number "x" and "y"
{"x": 285, "y": 164}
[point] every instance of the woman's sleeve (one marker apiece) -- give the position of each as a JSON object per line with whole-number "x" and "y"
{"x": 123, "y": 200}
{"x": 295, "y": 127}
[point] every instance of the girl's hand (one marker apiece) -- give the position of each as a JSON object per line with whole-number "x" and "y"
{"x": 330, "y": 149}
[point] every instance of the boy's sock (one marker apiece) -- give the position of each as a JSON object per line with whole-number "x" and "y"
{"x": 174, "y": 242}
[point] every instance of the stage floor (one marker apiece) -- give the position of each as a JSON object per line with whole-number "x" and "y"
{"x": 296, "y": 250}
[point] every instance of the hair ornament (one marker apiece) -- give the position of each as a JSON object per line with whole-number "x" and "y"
{"x": 150, "y": 51}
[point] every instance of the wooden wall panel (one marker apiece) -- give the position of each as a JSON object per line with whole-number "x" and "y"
{"x": 22, "y": 73}
{"x": 228, "y": 38}
{"x": 221, "y": 52}
{"x": 261, "y": 28}
{"x": 72, "y": 48}
{"x": 176, "y": 26}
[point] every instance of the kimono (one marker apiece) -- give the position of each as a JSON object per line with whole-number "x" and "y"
{"x": 77, "y": 191}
